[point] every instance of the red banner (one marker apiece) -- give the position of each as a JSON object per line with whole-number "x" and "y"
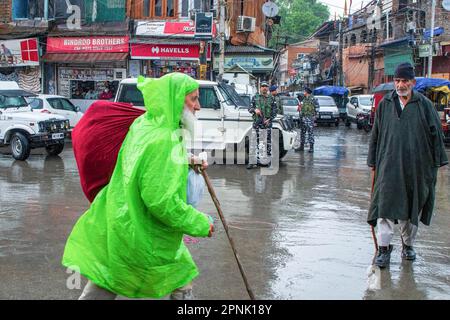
{"x": 87, "y": 44}
{"x": 165, "y": 51}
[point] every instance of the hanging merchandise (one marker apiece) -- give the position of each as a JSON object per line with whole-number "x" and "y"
{"x": 29, "y": 79}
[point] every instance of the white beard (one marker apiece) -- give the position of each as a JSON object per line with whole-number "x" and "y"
{"x": 402, "y": 94}
{"x": 189, "y": 122}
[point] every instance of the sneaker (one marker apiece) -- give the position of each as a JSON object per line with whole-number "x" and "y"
{"x": 408, "y": 253}
{"x": 384, "y": 256}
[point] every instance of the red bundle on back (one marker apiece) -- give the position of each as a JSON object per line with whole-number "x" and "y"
{"x": 96, "y": 142}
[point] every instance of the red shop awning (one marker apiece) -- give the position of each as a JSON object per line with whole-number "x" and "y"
{"x": 85, "y": 57}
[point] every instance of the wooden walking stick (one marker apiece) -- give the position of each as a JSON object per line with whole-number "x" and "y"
{"x": 225, "y": 225}
{"x": 372, "y": 227}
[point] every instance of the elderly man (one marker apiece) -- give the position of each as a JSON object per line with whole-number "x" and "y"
{"x": 406, "y": 149}
{"x": 129, "y": 242}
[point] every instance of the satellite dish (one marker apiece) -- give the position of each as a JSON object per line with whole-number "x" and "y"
{"x": 446, "y": 4}
{"x": 270, "y": 9}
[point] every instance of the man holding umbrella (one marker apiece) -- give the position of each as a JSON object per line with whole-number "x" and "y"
{"x": 405, "y": 151}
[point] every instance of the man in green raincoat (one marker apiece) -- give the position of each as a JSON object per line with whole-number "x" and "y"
{"x": 130, "y": 241}
{"x": 405, "y": 151}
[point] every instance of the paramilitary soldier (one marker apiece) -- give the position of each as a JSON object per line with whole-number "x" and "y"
{"x": 277, "y": 100}
{"x": 308, "y": 112}
{"x": 264, "y": 110}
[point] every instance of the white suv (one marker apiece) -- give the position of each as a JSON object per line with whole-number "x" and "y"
{"x": 25, "y": 130}
{"x": 358, "y": 110}
{"x": 224, "y": 118}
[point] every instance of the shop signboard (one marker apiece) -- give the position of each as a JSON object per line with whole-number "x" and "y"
{"x": 165, "y": 51}
{"x": 250, "y": 63}
{"x": 424, "y": 50}
{"x": 181, "y": 29}
{"x": 203, "y": 25}
{"x": 19, "y": 53}
{"x": 87, "y": 44}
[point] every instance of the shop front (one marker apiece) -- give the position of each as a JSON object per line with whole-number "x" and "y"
{"x": 257, "y": 60}
{"x": 85, "y": 69}
{"x": 19, "y": 62}
{"x": 169, "y": 46}
{"x": 160, "y": 59}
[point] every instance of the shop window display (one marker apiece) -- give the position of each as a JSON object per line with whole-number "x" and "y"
{"x": 88, "y": 84}
{"x": 158, "y": 68}
{"x": 93, "y": 90}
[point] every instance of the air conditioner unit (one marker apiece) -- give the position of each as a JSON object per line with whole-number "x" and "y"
{"x": 246, "y": 24}
{"x": 120, "y": 74}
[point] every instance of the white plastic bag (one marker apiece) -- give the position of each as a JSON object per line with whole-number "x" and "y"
{"x": 195, "y": 188}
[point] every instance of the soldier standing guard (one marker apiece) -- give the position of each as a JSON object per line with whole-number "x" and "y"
{"x": 308, "y": 112}
{"x": 263, "y": 108}
{"x": 277, "y": 101}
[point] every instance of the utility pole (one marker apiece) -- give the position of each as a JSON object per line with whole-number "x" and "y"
{"x": 430, "y": 57}
{"x": 46, "y": 10}
{"x": 371, "y": 66}
{"x": 222, "y": 39}
{"x": 341, "y": 69}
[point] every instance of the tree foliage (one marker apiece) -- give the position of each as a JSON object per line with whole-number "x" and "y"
{"x": 299, "y": 19}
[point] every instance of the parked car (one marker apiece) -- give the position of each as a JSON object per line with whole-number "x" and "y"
{"x": 224, "y": 117}
{"x": 358, "y": 111}
{"x": 328, "y": 111}
{"x": 290, "y": 108}
{"x": 58, "y": 105}
{"x": 23, "y": 129}
{"x": 339, "y": 95}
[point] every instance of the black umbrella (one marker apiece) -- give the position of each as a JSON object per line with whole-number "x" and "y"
{"x": 384, "y": 87}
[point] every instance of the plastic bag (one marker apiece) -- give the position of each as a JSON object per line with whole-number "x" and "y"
{"x": 195, "y": 188}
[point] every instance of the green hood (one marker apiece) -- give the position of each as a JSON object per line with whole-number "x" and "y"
{"x": 164, "y": 97}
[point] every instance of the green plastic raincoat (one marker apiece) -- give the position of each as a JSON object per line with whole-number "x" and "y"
{"x": 130, "y": 240}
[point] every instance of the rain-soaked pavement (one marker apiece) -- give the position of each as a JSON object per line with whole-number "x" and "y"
{"x": 301, "y": 234}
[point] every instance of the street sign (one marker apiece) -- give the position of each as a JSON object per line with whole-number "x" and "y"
{"x": 424, "y": 50}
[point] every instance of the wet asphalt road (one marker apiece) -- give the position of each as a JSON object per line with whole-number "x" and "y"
{"x": 301, "y": 234}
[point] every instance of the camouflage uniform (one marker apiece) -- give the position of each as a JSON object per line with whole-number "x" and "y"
{"x": 268, "y": 108}
{"x": 278, "y": 106}
{"x": 308, "y": 113}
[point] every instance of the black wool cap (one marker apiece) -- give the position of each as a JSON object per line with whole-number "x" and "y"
{"x": 405, "y": 71}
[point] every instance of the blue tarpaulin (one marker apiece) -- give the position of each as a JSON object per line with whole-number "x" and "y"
{"x": 421, "y": 84}
{"x": 425, "y": 83}
{"x": 437, "y": 32}
{"x": 330, "y": 90}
